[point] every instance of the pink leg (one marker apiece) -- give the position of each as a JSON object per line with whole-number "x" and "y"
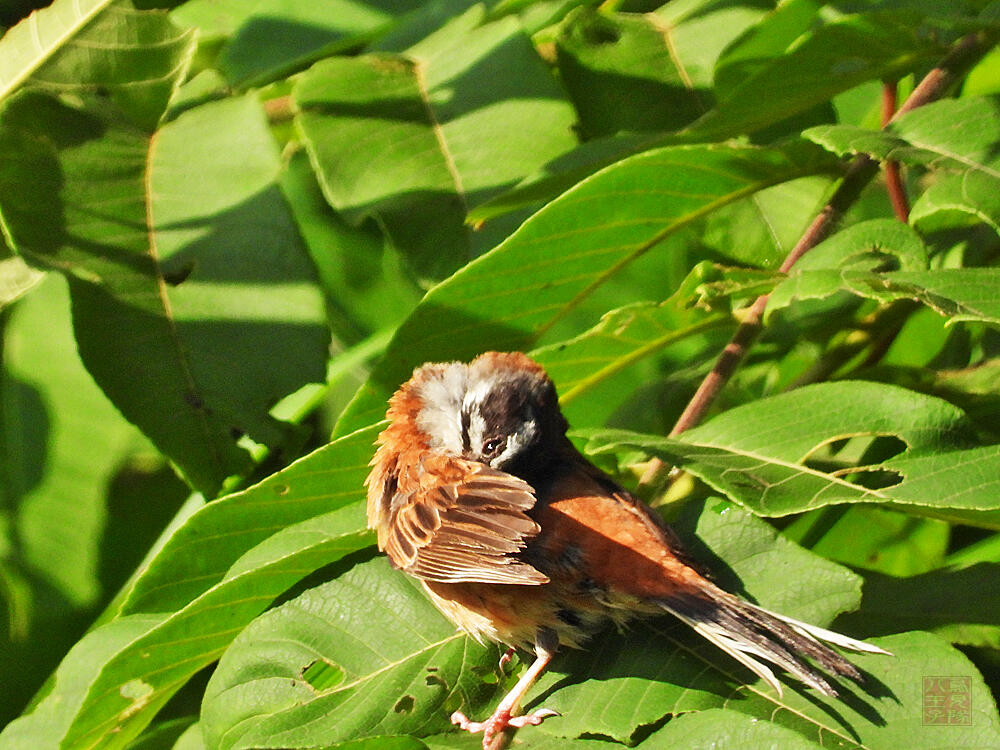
{"x": 504, "y": 717}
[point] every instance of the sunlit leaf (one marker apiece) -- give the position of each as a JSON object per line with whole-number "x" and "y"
{"x": 195, "y": 274}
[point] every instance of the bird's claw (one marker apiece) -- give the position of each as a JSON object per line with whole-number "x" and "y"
{"x": 499, "y": 722}
{"x": 532, "y": 719}
{"x": 506, "y": 659}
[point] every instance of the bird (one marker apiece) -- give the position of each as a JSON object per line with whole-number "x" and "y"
{"x": 517, "y": 538}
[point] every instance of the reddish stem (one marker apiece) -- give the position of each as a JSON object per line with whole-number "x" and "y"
{"x": 893, "y": 177}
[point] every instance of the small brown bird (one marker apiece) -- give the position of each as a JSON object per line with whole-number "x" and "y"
{"x": 476, "y": 491}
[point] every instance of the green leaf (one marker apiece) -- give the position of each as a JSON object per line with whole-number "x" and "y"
{"x": 134, "y": 58}
{"x": 199, "y": 554}
{"x": 876, "y": 244}
{"x": 191, "y": 739}
{"x": 761, "y": 44}
{"x": 872, "y": 538}
{"x": 45, "y": 726}
{"x": 664, "y": 663}
{"x": 624, "y": 337}
{"x": 702, "y": 33}
{"x": 763, "y": 454}
{"x": 938, "y": 601}
{"x": 821, "y": 63}
{"x": 957, "y": 201}
{"x": 567, "y": 250}
{"x": 53, "y": 415}
{"x": 623, "y": 75}
{"x": 761, "y": 230}
{"x": 951, "y": 133}
{"x": 57, "y": 491}
{"x": 135, "y": 676}
{"x": 197, "y": 274}
{"x": 268, "y": 39}
{"x": 562, "y": 173}
{"x": 956, "y": 293}
{"x": 406, "y": 676}
{"x": 725, "y": 729}
{"x": 164, "y": 735}
{"x": 17, "y": 278}
{"x": 366, "y": 283}
{"x": 40, "y": 36}
{"x": 471, "y": 110}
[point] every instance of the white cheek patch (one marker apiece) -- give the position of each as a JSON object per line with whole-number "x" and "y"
{"x": 441, "y": 417}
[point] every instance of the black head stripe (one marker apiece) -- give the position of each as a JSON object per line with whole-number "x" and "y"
{"x": 466, "y": 423}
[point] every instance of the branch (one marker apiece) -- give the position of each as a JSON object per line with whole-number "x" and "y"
{"x": 893, "y": 179}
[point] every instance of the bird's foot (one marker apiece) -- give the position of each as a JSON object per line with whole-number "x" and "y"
{"x": 500, "y": 721}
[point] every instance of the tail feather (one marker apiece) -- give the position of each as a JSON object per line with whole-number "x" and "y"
{"x": 749, "y": 634}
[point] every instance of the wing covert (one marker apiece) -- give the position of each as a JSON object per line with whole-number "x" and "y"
{"x": 461, "y": 522}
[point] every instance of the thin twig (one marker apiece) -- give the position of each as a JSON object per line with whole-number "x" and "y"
{"x": 861, "y": 171}
{"x": 893, "y": 178}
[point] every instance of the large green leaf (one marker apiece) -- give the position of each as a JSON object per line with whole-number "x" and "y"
{"x": 55, "y": 490}
{"x": 53, "y": 413}
{"x": 623, "y": 75}
{"x": 199, "y": 553}
{"x": 134, "y": 58}
{"x": 314, "y": 671}
{"x": 367, "y": 285}
{"x": 826, "y": 60}
{"x": 265, "y": 39}
{"x": 222, "y": 568}
{"x": 569, "y": 249}
{"x": 761, "y": 230}
{"x": 938, "y": 601}
{"x": 759, "y": 454}
{"x": 725, "y": 729}
{"x": 598, "y": 367}
{"x": 195, "y": 274}
{"x": 414, "y": 140}
{"x": 873, "y": 538}
{"x": 664, "y": 664}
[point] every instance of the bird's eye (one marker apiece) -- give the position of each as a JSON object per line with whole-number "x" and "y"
{"x": 494, "y": 446}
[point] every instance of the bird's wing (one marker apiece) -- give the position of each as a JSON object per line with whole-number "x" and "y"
{"x": 454, "y": 520}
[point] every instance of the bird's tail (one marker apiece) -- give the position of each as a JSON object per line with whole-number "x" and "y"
{"x": 750, "y": 634}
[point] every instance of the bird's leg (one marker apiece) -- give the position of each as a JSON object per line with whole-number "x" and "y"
{"x": 503, "y": 717}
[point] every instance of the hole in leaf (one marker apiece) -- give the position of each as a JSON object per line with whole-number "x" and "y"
{"x": 178, "y": 276}
{"x": 883, "y": 448}
{"x": 875, "y": 479}
{"x": 862, "y": 449}
{"x": 322, "y": 674}
{"x": 280, "y": 489}
{"x": 404, "y": 705}
{"x": 433, "y": 679}
{"x": 235, "y": 433}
